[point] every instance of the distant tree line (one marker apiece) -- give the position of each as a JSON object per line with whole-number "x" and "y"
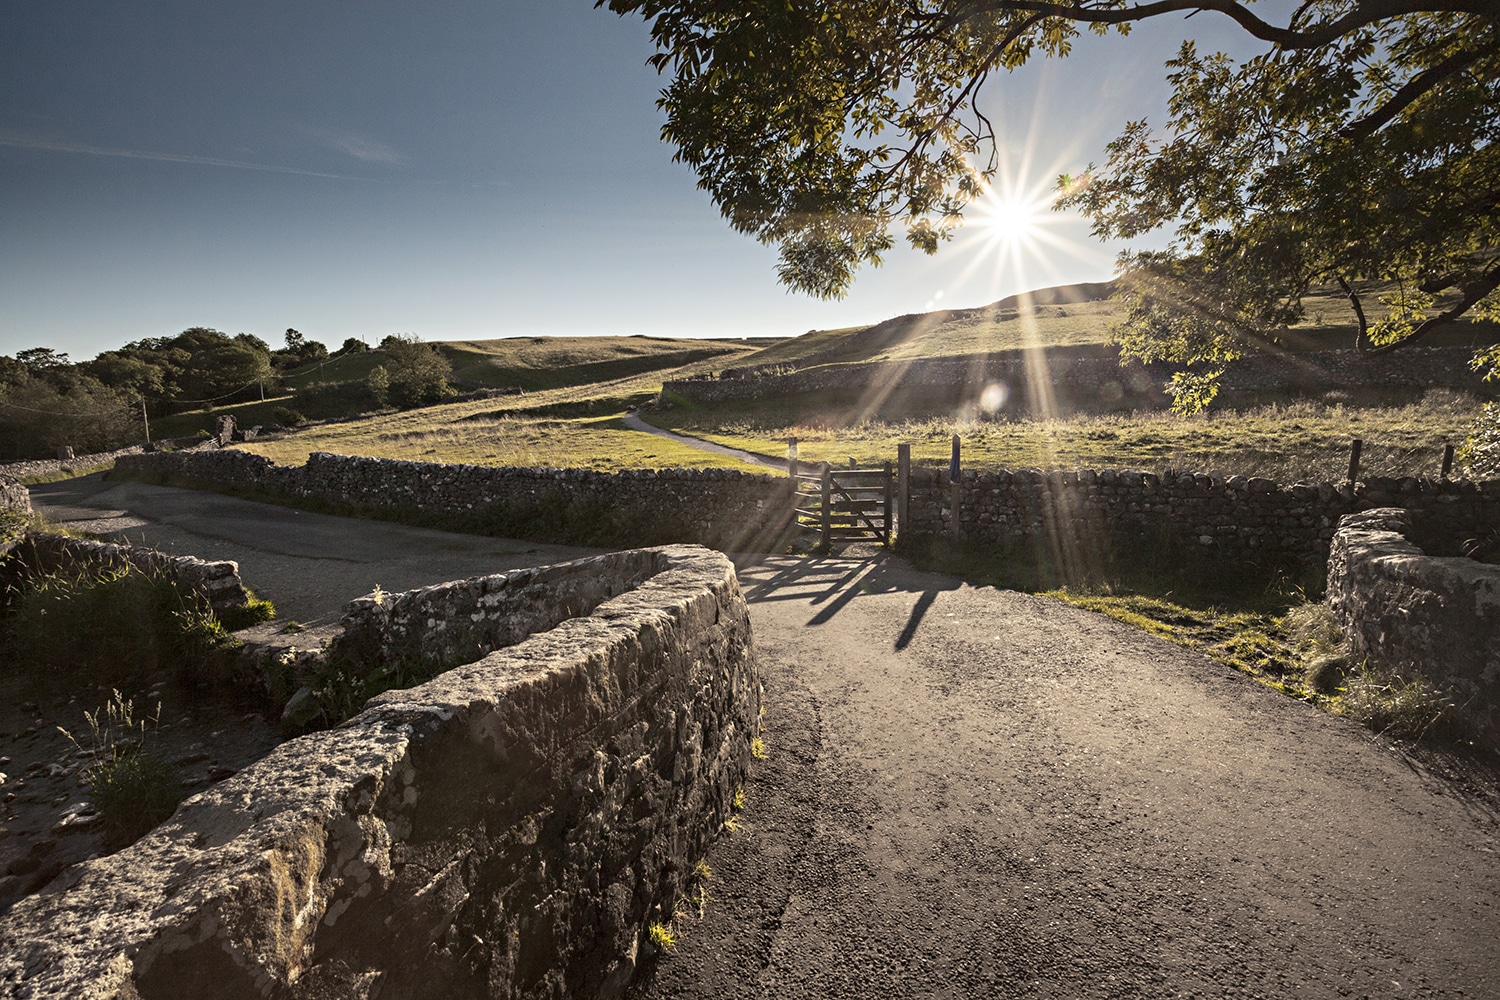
{"x": 47, "y": 401}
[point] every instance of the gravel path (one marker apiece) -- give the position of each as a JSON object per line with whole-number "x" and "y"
{"x": 980, "y": 793}
{"x": 635, "y": 423}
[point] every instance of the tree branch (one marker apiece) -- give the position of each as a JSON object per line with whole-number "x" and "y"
{"x": 1473, "y": 292}
{"x": 1363, "y": 13}
{"x": 1413, "y": 89}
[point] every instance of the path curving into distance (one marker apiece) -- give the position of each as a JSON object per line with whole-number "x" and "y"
{"x": 972, "y": 792}
{"x": 635, "y": 423}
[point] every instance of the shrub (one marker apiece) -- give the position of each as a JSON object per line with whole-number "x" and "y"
{"x": 131, "y": 784}
{"x": 287, "y": 417}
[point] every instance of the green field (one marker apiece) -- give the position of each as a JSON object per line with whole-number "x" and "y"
{"x": 1302, "y": 440}
{"x": 600, "y": 443}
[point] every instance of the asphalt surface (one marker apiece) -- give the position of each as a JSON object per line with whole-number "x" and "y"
{"x": 309, "y": 565}
{"x": 979, "y": 793}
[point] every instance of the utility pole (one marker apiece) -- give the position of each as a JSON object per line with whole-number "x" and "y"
{"x": 145, "y": 419}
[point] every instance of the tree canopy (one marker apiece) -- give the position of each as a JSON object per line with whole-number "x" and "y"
{"x": 1359, "y": 146}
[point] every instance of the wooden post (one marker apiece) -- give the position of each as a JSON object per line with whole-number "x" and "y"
{"x": 955, "y": 479}
{"x": 791, "y": 457}
{"x": 1354, "y": 450}
{"x": 1447, "y": 461}
{"x": 886, "y": 540}
{"x": 903, "y": 486}
{"x": 827, "y": 504}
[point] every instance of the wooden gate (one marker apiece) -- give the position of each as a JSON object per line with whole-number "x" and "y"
{"x": 846, "y": 504}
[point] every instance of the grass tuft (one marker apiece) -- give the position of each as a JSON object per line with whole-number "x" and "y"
{"x": 131, "y": 784}
{"x": 662, "y": 936}
{"x": 1392, "y": 705}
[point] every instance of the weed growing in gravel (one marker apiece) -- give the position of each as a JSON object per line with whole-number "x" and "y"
{"x": 738, "y": 802}
{"x": 131, "y": 784}
{"x": 661, "y": 936}
{"x": 758, "y": 748}
{"x": 255, "y": 611}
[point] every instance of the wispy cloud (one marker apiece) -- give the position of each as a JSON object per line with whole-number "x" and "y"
{"x": 360, "y": 147}
{"x": 14, "y": 141}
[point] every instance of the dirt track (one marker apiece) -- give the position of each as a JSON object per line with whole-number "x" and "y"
{"x": 979, "y": 793}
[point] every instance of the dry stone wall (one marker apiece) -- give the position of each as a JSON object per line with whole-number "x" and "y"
{"x": 1434, "y": 616}
{"x": 1221, "y": 518}
{"x": 466, "y": 619}
{"x": 217, "y": 582}
{"x": 508, "y": 829}
{"x": 13, "y": 496}
{"x": 33, "y": 468}
{"x": 1087, "y": 371}
{"x": 722, "y": 508}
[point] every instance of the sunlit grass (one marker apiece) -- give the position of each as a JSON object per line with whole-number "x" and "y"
{"x": 1328, "y": 323}
{"x": 1285, "y": 442}
{"x": 601, "y": 443}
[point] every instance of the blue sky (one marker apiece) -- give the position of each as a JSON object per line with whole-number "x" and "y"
{"x": 457, "y": 169}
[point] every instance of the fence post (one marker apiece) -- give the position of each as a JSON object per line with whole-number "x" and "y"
{"x": 1354, "y": 450}
{"x": 955, "y": 479}
{"x": 1447, "y": 461}
{"x": 791, "y": 457}
{"x": 903, "y": 486}
{"x": 827, "y": 503}
{"x": 886, "y": 540}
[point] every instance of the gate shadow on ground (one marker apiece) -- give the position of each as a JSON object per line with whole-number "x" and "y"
{"x": 829, "y": 584}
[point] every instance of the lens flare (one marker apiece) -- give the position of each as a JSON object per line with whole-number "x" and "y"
{"x": 993, "y": 397}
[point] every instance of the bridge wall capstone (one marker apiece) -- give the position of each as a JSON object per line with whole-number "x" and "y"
{"x": 510, "y": 828}
{"x": 215, "y": 581}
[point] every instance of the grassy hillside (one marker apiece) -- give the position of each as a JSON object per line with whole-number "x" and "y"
{"x": 533, "y": 363}
{"x": 1077, "y": 317}
{"x": 568, "y": 426}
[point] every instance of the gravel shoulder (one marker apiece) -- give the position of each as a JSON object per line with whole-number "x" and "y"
{"x": 980, "y": 793}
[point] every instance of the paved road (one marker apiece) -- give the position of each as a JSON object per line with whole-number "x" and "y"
{"x": 309, "y": 565}
{"x": 979, "y": 793}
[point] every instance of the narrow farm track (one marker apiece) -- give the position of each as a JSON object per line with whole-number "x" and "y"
{"x": 635, "y": 423}
{"x": 978, "y": 793}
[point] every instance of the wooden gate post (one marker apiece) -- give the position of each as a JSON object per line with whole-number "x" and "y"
{"x": 826, "y": 507}
{"x": 886, "y": 520}
{"x": 1447, "y": 461}
{"x": 1354, "y": 450}
{"x": 903, "y": 487}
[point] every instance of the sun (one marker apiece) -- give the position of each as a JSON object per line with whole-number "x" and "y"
{"x": 1014, "y": 219}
